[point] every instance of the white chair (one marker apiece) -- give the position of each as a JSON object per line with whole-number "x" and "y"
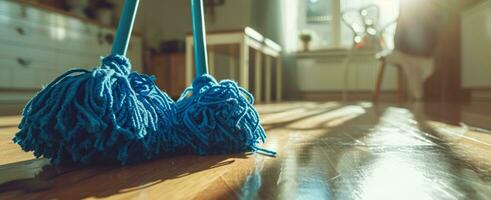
{"x": 416, "y": 68}
{"x": 367, "y": 38}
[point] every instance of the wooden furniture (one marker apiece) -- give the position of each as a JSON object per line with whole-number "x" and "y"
{"x": 37, "y": 44}
{"x": 246, "y": 39}
{"x": 169, "y": 69}
{"x": 325, "y": 150}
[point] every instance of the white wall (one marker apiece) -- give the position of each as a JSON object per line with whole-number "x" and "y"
{"x": 476, "y": 46}
{"x": 171, "y": 19}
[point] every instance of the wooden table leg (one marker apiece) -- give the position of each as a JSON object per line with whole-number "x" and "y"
{"x": 211, "y": 60}
{"x": 258, "y": 77}
{"x": 231, "y": 63}
{"x": 189, "y": 61}
{"x": 279, "y": 80}
{"x": 244, "y": 65}
{"x": 267, "y": 79}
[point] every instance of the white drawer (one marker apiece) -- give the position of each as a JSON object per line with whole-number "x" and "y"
{"x": 17, "y": 11}
{"x": 32, "y": 77}
{"x": 25, "y": 74}
{"x": 24, "y": 32}
{"x": 28, "y": 67}
{"x": 28, "y": 54}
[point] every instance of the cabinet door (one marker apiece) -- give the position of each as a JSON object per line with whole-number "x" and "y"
{"x": 27, "y": 53}
{"x": 21, "y": 32}
{"x": 31, "y": 68}
{"x": 33, "y": 76}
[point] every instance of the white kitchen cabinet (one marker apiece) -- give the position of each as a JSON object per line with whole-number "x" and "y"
{"x": 38, "y": 45}
{"x": 22, "y": 32}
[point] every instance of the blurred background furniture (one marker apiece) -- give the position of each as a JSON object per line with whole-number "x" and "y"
{"x": 37, "y": 44}
{"x": 416, "y": 41}
{"x": 259, "y": 79}
{"x": 422, "y": 68}
{"x": 367, "y": 37}
{"x": 169, "y": 68}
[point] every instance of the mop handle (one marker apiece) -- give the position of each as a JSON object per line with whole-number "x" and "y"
{"x": 199, "y": 38}
{"x": 125, "y": 25}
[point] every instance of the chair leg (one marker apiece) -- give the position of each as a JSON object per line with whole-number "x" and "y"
{"x": 380, "y": 78}
{"x": 346, "y": 75}
{"x": 400, "y": 89}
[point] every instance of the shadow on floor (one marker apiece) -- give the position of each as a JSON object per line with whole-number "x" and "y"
{"x": 76, "y": 182}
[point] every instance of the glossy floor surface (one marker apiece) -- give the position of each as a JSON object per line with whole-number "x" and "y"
{"x": 325, "y": 151}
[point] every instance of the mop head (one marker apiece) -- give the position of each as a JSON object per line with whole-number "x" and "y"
{"x": 218, "y": 118}
{"x": 109, "y": 114}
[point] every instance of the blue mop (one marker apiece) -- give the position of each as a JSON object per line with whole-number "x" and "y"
{"x": 216, "y": 118}
{"x": 105, "y": 115}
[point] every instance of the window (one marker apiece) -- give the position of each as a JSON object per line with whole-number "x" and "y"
{"x": 323, "y": 20}
{"x": 318, "y": 11}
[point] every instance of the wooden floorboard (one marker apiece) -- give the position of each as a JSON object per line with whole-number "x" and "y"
{"x": 326, "y": 150}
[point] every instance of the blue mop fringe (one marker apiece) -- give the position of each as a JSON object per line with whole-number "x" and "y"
{"x": 108, "y": 114}
{"x": 219, "y": 118}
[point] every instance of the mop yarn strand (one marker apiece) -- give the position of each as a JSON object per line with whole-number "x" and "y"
{"x": 104, "y": 115}
{"x": 218, "y": 118}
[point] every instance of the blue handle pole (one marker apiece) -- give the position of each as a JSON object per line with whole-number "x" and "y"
{"x": 125, "y": 26}
{"x": 199, "y": 38}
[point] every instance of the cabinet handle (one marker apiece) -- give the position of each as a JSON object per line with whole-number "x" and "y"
{"x": 109, "y": 38}
{"x": 20, "y": 30}
{"x": 100, "y": 38}
{"x": 23, "y": 62}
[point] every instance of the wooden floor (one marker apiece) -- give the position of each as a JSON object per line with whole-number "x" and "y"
{"x": 325, "y": 151}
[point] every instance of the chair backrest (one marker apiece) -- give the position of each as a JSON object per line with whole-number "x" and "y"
{"x": 364, "y": 23}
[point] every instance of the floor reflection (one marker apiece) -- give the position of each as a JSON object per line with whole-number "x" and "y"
{"x": 375, "y": 153}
